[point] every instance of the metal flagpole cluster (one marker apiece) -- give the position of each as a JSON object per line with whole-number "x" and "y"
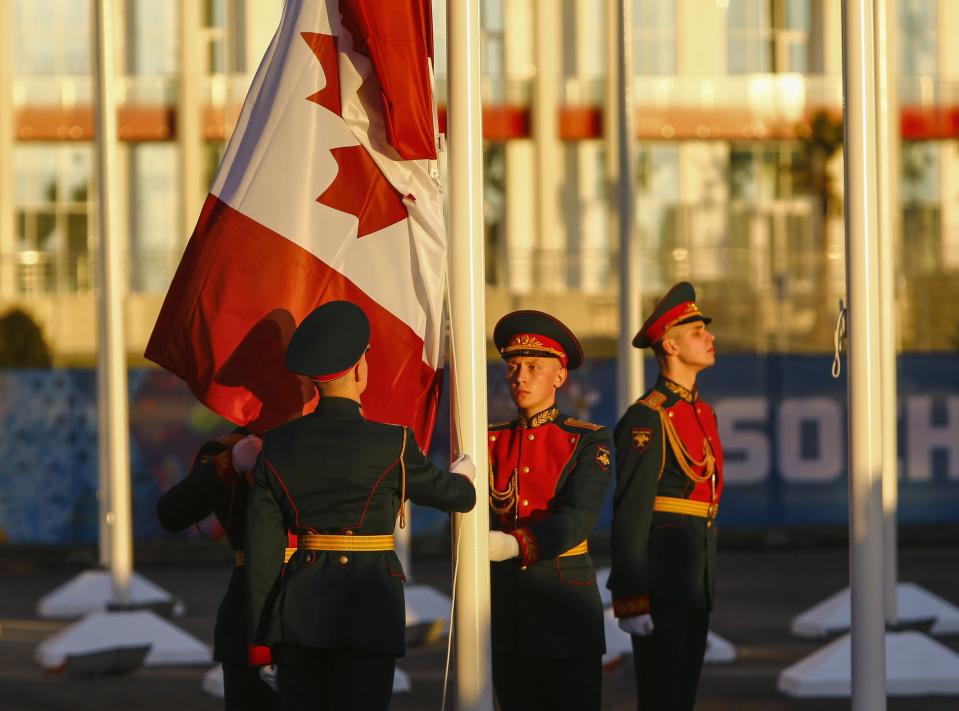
{"x": 904, "y": 603}
{"x": 474, "y": 686}
{"x": 86, "y": 641}
{"x": 856, "y": 664}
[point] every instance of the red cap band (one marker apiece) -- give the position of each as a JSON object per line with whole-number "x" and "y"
{"x": 534, "y": 343}
{"x": 681, "y": 312}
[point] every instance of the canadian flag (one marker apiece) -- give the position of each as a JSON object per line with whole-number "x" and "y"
{"x": 328, "y": 190}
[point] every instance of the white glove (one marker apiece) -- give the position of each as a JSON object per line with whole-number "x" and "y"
{"x": 245, "y": 452}
{"x": 502, "y": 546}
{"x": 268, "y": 675}
{"x": 639, "y": 625}
{"x": 464, "y": 465}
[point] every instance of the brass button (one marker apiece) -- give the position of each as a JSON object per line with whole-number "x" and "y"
{"x": 522, "y": 567}
{"x": 525, "y": 470}
{"x": 709, "y": 524}
{"x": 344, "y": 560}
{"x": 532, "y": 437}
{"x": 525, "y": 502}
{"x": 572, "y": 440}
{"x": 670, "y": 414}
{"x": 492, "y": 438}
{"x": 347, "y": 532}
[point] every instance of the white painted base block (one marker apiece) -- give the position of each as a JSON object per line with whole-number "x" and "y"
{"x": 916, "y": 665}
{"x": 100, "y": 631}
{"x": 718, "y": 649}
{"x": 213, "y": 682}
{"x": 425, "y": 604}
{"x": 91, "y": 590}
{"x": 914, "y": 604}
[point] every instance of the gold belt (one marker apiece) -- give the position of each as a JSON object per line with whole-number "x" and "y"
{"x": 579, "y": 549}
{"x": 319, "y": 542}
{"x": 239, "y": 557}
{"x": 687, "y": 507}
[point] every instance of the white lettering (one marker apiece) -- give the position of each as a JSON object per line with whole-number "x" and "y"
{"x": 827, "y": 464}
{"x": 923, "y": 437}
{"x": 749, "y": 447}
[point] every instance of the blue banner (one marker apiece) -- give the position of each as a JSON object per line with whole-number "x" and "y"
{"x": 782, "y": 420}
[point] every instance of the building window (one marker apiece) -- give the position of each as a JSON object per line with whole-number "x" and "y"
{"x": 921, "y": 211}
{"x": 654, "y": 38}
{"x": 918, "y": 37}
{"x": 153, "y": 27}
{"x": 51, "y": 37}
{"x": 155, "y": 239}
{"x": 770, "y": 36}
{"x": 52, "y": 205}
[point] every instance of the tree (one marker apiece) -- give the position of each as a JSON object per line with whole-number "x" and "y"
{"x": 21, "y": 342}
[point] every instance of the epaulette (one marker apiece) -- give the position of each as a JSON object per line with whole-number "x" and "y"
{"x": 653, "y": 401}
{"x": 500, "y": 425}
{"x": 582, "y": 424}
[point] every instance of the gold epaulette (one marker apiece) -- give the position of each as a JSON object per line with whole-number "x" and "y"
{"x": 653, "y": 401}
{"x": 583, "y": 424}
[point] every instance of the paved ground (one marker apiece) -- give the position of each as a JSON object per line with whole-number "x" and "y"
{"x": 759, "y": 592}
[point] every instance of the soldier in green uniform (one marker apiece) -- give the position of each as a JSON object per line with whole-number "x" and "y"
{"x": 548, "y": 477}
{"x": 333, "y": 617}
{"x": 669, "y": 464}
{"x": 218, "y": 483}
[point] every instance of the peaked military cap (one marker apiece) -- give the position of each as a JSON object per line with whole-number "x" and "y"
{"x": 677, "y": 307}
{"x": 329, "y": 341}
{"x": 534, "y": 333}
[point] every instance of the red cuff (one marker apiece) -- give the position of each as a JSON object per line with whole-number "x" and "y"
{"x": 631, "y": 606}
{"x": 528, "y": 549}
{"x": 259, "y": 655}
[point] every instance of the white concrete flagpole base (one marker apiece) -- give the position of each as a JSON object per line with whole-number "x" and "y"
{"x": 427, "y": 614}
{"x": 916, "y": 665}
{"x": 914, "y": 604}
{"x": 91, "y": 590}
{"x": 718, "y": 649}
{"x": 102, "y": 631}
{"x": 213, "y": 682}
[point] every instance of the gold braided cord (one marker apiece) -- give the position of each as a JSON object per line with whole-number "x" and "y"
{"x": 501, "y": 500}
{"x": 403, "y": 482}
{"x": 683, "y": 457}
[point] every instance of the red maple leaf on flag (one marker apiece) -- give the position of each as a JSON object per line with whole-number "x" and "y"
{"x": 361, "y": 189}
{"x": 324, "y": 47}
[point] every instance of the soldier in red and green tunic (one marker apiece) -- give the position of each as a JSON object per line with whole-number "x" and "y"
{"x": 668, "y": 484}
{"x": 548, "y": 477}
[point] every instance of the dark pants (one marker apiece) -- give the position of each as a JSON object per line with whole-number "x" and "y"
{"x": 245, "y": 691}
{"x": 331, "y": 680}
{"x": 538, "y": 684}
{"x": 668, "y": 662}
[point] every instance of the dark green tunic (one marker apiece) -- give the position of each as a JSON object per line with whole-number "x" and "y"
{"x": 660, "y": 557}
{"x": 333, "y": 472}
{"x": 190, "y": 501}
{"x": 544, "y": 605}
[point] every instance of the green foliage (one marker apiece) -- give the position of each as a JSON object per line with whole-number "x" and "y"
{"x": 21, "y": 342}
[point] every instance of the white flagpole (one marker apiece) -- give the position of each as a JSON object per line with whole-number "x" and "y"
{"x": 862, "y": 288}
{"x": 887, "y": 136}
{"x": 474, "y": 685}
{"x": 620, "y": 161}
{"x": 111, "y": 369}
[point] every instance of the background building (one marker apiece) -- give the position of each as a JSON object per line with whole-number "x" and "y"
{"x": 738, "y": 161}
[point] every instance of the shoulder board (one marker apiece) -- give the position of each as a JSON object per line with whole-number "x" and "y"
{"x": 500, "y": 425}
{"x": 582, "y": 424}
{"x": 653, "y": 401}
